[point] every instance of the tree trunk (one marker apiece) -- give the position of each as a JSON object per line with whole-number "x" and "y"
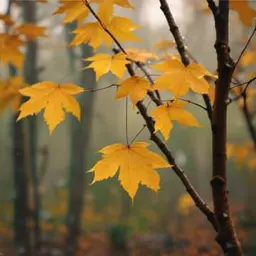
{"x": 226, "y": 232}
{"x": 80, "y": 134}
{"x": 31, "y": 77}
{"x": 21, "y": 209}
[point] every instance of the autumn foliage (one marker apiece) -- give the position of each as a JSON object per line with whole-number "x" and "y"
{"x": 178, "y": 74}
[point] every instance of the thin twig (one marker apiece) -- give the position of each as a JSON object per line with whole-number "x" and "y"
{"x": 101, "y": 89}
{"x": 243, "y": 91}
{"x": 245, "y": 47}
{"x": 193, "y": 103}
{"x": 126, "y": 121}
{"x": 244, "y": 83}
{"x": 103, "y": 26}
{"x": 138, "y": 134}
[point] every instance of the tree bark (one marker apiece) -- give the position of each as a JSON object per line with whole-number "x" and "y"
{"x": 31, "y": 76}
{"x": 21, "y": 209}
{"x": 226, "y": 236}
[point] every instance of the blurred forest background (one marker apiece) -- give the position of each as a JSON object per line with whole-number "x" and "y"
{"x": 43, "y": 182}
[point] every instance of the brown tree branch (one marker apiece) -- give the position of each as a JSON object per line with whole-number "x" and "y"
{"x": 213, "y": 7}
{"x": 174, "y": 29}
{"x": 150, "y": 125}
{"x": 244, "y": 108}
{"x": 245, "y": 47}
{"x": 138, "y": 64}
{"x": 249, "y": 120}
{"x": 202, "y": 206}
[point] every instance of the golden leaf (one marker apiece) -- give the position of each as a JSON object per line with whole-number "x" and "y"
{"x": 136, "y": 87}
{"x": 9, "y": 93}
{"x": 74, "y": 11}
{"x": 93, "y": 34}
{"x": 9, "y": 52}
{"x": 164, "y": 45}
{"x": 6, "y": 19}
{"x": 104, "y": 63}
{"x": 185, "y": 204}
{"x": 136, "y": 164}
{"x": 31, "y": 31}
{"x": 179, "y": 78}
{"x": 245, "y": 11}
{"x": 53, "y": 98}
{"x": 173, "y": 111}
{"x": 139, "y": 55}
{"x": 90, "y": 33}
{"x": 106, "y": 8}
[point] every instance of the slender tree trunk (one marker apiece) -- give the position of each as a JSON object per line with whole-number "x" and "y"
{"x": 79, "y": 146}
{"x": 31, "y": 77}
{"x": 21, "y": 209}
{"x": 226, "y": 232}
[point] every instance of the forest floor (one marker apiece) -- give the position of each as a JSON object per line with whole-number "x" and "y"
{"x": 193, "y": 236}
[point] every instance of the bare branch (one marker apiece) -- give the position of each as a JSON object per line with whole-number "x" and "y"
{"x": 180, "y": 173}
{"x": 245, "y": 47}
{"x": 174, "y": 29}
{"x": 194, "y": 103}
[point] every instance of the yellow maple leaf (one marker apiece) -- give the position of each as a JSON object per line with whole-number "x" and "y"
{"x": 11, "y": 41}
{"x": 106, "y": 8}
{"x": 6, "y": 19}
{"x": 104, "y": 63}
{"x": 250, "y": 95}
{"x": 164, "y": 45}
{"x": 240, "y": 152}
{"x": 172, "y": 111}
{"x": 31, "y": 31}
{"x": 9, "y": 50}
{"x": 139, "y": 55}
{"x": 93, "y": 34}
{"x": 122, "y": 28}
{"x": 185, "y": 204}
{"x": 53, "y": 98}
{"x": 74, "y": 11}
{"x": 248, "y": 58}
{"x": 136, "y": 87}
{"x": 211, "y": 93}
{"x": 136, "y": 164}
{"x": 245, "y": 11}
{"x": 9, "y": 93}
{"x": 179, "y": 78}
{"x": 90, "y": 33}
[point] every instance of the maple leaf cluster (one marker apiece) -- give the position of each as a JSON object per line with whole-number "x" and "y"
{"x": 12, "y": 43}
{"x": 136, "y": 164}
{"x": 243, "y": 154}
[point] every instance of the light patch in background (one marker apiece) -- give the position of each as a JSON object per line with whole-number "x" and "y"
{"x": 153, "y": 17}
{"x": 3, "y": 6}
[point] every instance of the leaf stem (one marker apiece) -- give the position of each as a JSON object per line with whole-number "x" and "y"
{"x": 126, "y": 121}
